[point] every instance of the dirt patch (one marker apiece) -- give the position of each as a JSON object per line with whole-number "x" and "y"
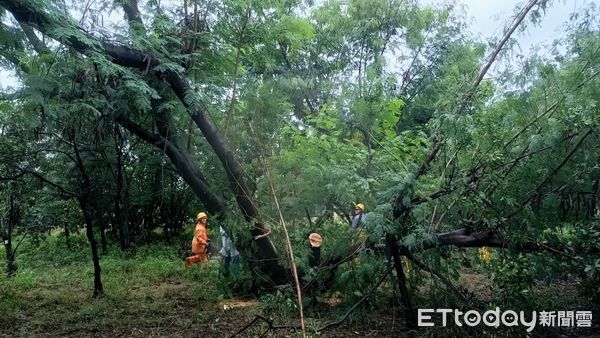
{"x": 478, "y": 284}
{"x": 232, "y": 304}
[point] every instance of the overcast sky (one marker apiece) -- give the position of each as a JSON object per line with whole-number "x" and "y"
{"x": 488, "y": 17}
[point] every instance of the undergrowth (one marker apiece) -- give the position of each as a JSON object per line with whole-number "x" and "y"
{"x": 149, "y": 288}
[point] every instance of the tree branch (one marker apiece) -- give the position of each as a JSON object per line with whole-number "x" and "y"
{"x": 552, "y": 173}
{"x": 182, "y": 161}
{"x": 37, "y": 44}
{"x": 355, "y": 306}
{"x": 399, "y": 208}
{"x": 444, "y": 280}
{"x": 134, "y": 17}
{"x": 43, "y": 179}
{"x": 492, "y": 57}
{"x": 464, "y": 238}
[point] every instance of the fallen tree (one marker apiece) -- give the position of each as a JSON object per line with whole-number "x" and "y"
{"x": 61, "y": 28}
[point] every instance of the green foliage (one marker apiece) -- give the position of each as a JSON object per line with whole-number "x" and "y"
{"x": 280, "y": 304}
{"x": 355, "y": 279}
{"x": 513, "y": 279}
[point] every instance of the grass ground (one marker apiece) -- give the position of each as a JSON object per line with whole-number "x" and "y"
{"x": 151, "y": 293}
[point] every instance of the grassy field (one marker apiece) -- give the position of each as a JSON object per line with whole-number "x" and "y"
{"x": 151, "y": 293}
{"x": 147, "y": 293}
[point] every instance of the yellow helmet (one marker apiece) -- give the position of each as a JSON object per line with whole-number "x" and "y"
{"x": 201, "y": 215}
{"x": 360, "y": 206}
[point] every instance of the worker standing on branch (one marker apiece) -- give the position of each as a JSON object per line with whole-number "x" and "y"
{"x": 199, "y": 242}
{"x": 360, "y": 234}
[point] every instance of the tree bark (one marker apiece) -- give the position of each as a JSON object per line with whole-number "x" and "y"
{"x": 184, "y": 163}
{"x": 14, "y": 215}
{"x": 130, "y": 7}
{"x": 100, "y": 221}
{"x": 392, "y": 244}
{"x": 11, "y": 267}
{"x": 121, "y": 216}
{"x": 89, "y": 227}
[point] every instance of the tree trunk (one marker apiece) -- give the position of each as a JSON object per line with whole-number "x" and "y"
{"x": 191, "y": 174}
{"x": 11, "y": 267}
{"x": 89, "y": 226}
{"x": 121, "y": 223}
{"x": 67, "y": 235}
{"x": 120, "y": 214}
{"x": 88, "y": 197}
{"x": 14, "y": 215}
{"x": 368, "y": 144}
{"x": 392, "y": 244}
{"x": 100, "y": 221}
{"x": 593, "y": 201}
{"x": 267, "y": 254}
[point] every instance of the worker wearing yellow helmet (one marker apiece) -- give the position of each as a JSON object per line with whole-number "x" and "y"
{"x": 359, "y": 216}
{"x": 199, "y": 242}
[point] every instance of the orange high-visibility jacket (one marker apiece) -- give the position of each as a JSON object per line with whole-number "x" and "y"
{"x": 200, "y": 239}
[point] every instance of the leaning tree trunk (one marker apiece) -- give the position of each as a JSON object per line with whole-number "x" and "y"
{"x": 180, "y": 157}
{"x": 28, "y": 12}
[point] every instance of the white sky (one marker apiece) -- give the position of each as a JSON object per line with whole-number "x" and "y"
{"x": 488, "y": 19}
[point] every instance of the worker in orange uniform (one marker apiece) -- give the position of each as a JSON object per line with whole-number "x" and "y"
{"x": 199, "y": 242}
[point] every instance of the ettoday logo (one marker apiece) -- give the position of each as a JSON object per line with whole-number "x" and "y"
{"x": 497, "y": 318}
